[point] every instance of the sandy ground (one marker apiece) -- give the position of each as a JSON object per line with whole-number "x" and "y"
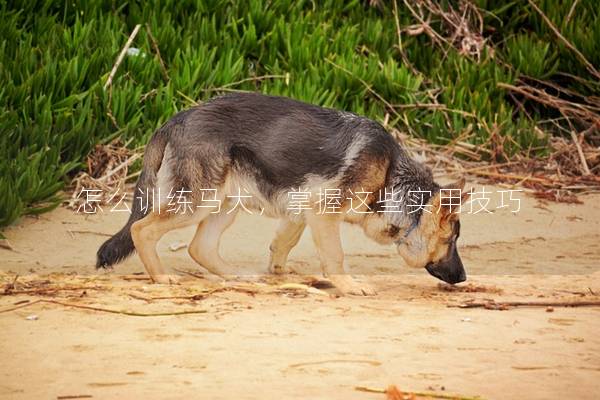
{"x": 254, "y": 340}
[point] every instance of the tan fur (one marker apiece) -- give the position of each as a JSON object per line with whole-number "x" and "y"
{"x": 204, "y": 248}
{"x": 147, "y": 232}
{"x": 372, "y": 174}
{"x": 326, "y": 235}
{"x": 429, "y": 241}
{"x": 286, "y": 237}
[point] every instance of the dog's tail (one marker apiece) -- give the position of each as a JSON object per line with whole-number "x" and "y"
{"x": 120, "y": 245}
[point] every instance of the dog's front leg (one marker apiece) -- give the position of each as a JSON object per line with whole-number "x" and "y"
{"x": 287, "y": 236}
{"x": 325, "y": 229}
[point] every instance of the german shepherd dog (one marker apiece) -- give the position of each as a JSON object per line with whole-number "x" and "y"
{"x": 270, "y": 147}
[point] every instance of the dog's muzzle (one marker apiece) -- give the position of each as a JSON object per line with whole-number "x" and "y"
{"x": 449, "y": 269}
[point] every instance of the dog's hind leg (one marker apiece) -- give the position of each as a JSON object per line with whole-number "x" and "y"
{"x": 325, "y": 230}
{"x": 287, "y": 236}
{"x": 204, "y": 248}
{"x": 147, "y": 232}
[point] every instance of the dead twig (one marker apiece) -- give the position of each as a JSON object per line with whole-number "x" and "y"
{"x": 436, "y": 106}
{"x": 335, "y": 361}
{"x": 367, "y": 86}
{"x": 571, "y": 11}
{"x": 154, "y": 42}
{"x": 195, "y": 297}
{"x": 392, "y": 391}
{"x": 106, "y": 310}
{"x": 121, "y": 56}
{"x": 228, "y": 87}
{"x": 568, "y": 44}
{"x": 106, "y": 175}
{"x": 585, "y": 112}
{"x": 504, "y": 305}
{"x": 405, "y": 59}
{"x": 513, "y": 177}
{"x": 10, "y": 287}
{"x": 47, "y": 291}
{"x": 461, "y": 26}
{"x": 90, "y": 232}
{"x": 584, "y": 165}
{"x": 19, "y": 306}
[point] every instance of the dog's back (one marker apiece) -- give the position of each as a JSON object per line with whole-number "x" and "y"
{"x": 282, "y": 141}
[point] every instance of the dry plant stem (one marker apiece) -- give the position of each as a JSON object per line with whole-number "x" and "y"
{"x": 46, "y": 291}
{"x": 252, "y": 79}
{"x": 90, "y": 232}
{"x": 390, "y": 106}
{"x": 439, "y": 106}
{"x": 584, "y": 166}
{"x": 227, "y": 87}
{"x": 571, "y": 11}
{"x": 106, "y": 310}
{"x": 430, "y": 395}
{"x": 521, "y": 178}
{"x": 462, "y": 26}
{"x": 195, "y": 297}
{"x": 107, "y": 172}
{"x": 400, "y": 45}
{"x": 584, "y": 112}
{"x": 163, "y": 67}
{"x": 499, "y": 305}
{"x": 109, "y": 111}
{"x": 189, "y": 99}
{"x": 581, "y": 57}
{"x": 125, "y": 164}
{"x": 121, "y": 56}
{"x": 368, "y": 87}
{"x": 425, "y": 25}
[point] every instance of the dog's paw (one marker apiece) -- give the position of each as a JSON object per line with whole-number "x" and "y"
{"x": 277, "y": 269}
{"x": 348, "y": 286}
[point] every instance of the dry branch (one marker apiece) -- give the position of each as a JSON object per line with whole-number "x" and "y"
{"x": 584, "y": 166}
{"x": 462, "y": 25}
{"x": 107, "y": 172}
{"x": 393, "y": 390}
{"x": 121, "y": 56}
{"x": 584, "y": 112}
{"x": 154, "y": 42}
{"x": 568, "y": 44}
{"x": 106, "y": 310}
{"x": 504, "y": 305}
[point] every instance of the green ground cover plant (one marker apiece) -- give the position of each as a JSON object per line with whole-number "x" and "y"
{"x": 372, "y": 59}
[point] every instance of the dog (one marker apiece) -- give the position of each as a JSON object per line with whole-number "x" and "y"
{"x": 269, "y": 148}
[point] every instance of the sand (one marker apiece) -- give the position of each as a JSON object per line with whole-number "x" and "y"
{"x": 265, "y": 343}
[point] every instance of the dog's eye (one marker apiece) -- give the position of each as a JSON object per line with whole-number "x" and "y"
{"x": 392, "y": 230}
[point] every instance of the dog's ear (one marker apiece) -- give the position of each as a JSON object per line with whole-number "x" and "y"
{"x": 448, "y": 200}
{"x": 460, "y": 184}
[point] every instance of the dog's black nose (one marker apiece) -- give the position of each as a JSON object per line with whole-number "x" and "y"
{"x": 447, "y": 274}
{"x": 458, "y": 278}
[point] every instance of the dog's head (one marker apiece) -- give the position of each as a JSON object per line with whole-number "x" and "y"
{"x": 431, "y": 242}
